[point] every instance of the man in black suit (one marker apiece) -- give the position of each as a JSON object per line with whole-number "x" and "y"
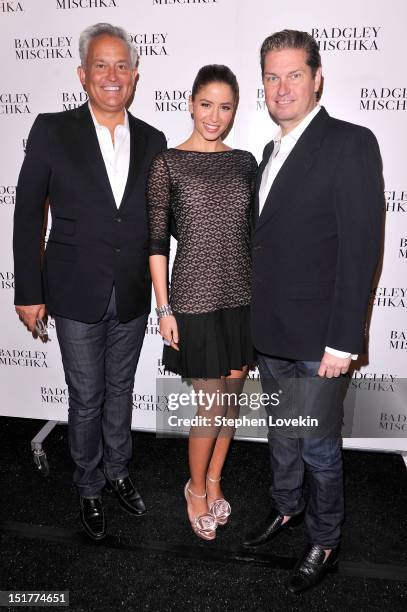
{"x": 91, "y": 164}
{"x": 316, "y": 244}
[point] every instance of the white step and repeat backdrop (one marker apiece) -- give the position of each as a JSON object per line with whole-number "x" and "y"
{"x": 363, "y": 51}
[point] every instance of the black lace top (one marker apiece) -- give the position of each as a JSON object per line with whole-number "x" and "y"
{"x": 209, "y": 197}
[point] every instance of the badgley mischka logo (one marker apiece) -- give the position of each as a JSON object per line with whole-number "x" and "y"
{"x": 171, "y": 100}
{"x": 347, "y": 38}
{"x": 6, "y": 280}
{"x": 73, "y": 99}
{"x": 389, "y": 297}
{"x": 396, "y": 201}
{"x": 86, "y": 4}
{"x": 11, "y": 7}
{"x": 373, "y": 381}
{"x": 153, "y": 327}
{"x": 54, "y": 395}
{"x": 390, "y": 421}
{"x": 7, "y": 195}
{"x": 398, "y": 340}
{"x": 14, "y": 103}
{"x": 150, "y": 402}
{"x": 383, "y": 98}
{"x": 44, "y": 47}
{"x": 260, "y": 99}
{"x": 24, "y": 358}
{"x": 150, "y": 44}
{"x": 161, "y": 371}
{"x": 403, "y": 248}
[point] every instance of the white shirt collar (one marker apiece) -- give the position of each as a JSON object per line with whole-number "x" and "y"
{"x": 124, "y": 125}
{"x": 295, "y": 134}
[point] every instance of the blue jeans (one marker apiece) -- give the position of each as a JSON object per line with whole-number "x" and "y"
{"x": 320, "y": 456}
{"x": 100, "y": 361}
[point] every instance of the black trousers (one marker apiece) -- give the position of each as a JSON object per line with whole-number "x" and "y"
{"x": 100, "y": 361}
{"x": 318, "y": 451}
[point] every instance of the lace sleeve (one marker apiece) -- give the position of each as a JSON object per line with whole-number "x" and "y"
{"x": 254, "y": 169}
{"x": 158, "y": 207}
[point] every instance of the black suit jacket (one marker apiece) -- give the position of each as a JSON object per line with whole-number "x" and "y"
{"x": 317, "y": 242}
{"x": 92, "y": 245}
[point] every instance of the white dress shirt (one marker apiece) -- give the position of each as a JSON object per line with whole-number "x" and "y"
{"x": 116, "y": 156}
{"x": 283, "y": 145}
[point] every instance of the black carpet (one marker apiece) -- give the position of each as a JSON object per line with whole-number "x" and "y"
{"x": 156, "y": 562}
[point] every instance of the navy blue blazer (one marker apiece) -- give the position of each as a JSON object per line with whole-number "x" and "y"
{"x": 92, "y": 245}
{"x": 317, "y": 242}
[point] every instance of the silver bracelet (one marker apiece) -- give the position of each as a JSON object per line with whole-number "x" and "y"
{"x": 163, "y": 311}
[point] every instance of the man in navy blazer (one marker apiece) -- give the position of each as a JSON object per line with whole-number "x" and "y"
{"x": 316, "y": 244}
{"x": 91, "y": 165}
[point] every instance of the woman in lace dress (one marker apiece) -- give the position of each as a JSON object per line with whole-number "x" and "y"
{"x": 206, "y": 190}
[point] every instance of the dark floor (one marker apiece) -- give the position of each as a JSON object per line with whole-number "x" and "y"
{"x": 156, "y": 562}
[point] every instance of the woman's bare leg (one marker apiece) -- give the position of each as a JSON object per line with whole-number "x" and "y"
{"x": 234, "y": 385}
{"x": 202, "y": 441}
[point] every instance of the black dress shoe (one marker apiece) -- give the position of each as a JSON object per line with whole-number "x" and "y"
{"x": 128, "y": 496}
{"x": 311, "y": 568}
{"x": 92, "y": 517}
{"x": 266, "y": 531}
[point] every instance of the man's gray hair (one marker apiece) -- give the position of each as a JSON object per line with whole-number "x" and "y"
{"x": 99, "y": 29}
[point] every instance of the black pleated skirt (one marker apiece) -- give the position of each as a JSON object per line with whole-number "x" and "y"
{"x": 211, "y": 344}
